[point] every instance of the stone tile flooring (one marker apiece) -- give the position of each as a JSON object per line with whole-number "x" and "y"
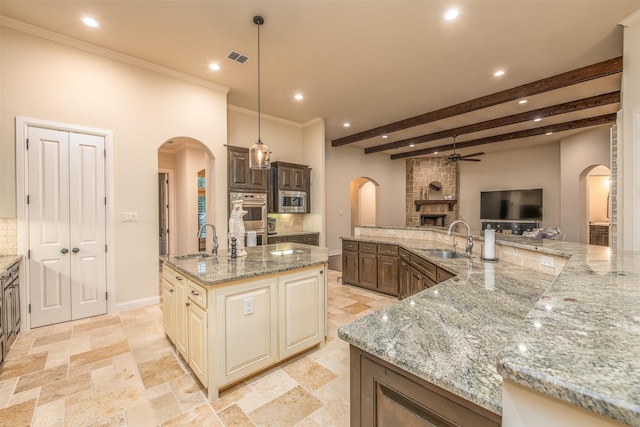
{"x": 121, "y": 370}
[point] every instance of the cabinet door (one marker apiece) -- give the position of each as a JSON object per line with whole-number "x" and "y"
{"x": 238, "y": 168}
{"x": 198, "y": 357}
{"x": 311, "y": 239}
{"x": 285, "y": 177}
{"x": 247, "y": 329}
{"x": 443, "y": 275}
{"x": 350, "y": 267}
{"x": 169, "y": 309}
{"x": 301, "y": 306}
{"x": 417, "y": 281}
{"x": 404, "y": 279}
{"x": 368, "y": 270}
{"x": 382, "y": 395}
{"x": 299, "y": 179}
{"x": 258, "y": 179}
{"x": 388, "y": 274}
{"x": 182, "y": 324}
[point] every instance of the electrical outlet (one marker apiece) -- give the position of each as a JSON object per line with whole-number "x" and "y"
{"x": 547, "y": 261}
{"x": 248, "y": 306}
{"x": 129, "y": 216}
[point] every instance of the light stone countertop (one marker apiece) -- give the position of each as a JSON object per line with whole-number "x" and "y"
{"x": 260, "y": 261}
{"x": 8, "y": 260}
{"x": 575, "y": 337}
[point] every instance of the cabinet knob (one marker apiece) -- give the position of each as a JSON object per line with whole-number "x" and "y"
{"x": 64, "y": 250}
{"x": 194, "y": 293}
{"x": 75, "y": 250}
{"x": 178, "y": 278}
{"x": 171, "y": 291}
{"x": 187, "y": 304}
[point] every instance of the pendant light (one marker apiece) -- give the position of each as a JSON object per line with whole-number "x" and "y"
{"x": 259, "y": 153}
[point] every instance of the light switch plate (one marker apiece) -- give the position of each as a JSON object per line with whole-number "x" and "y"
{"x": 129, "y": 216}
{"x": 248, "y": 306}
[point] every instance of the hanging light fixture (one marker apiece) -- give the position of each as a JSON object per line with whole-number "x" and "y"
{"x": 259, "y": 153}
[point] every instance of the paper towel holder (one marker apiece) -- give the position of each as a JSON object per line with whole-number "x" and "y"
{"x": 483, "y": 258}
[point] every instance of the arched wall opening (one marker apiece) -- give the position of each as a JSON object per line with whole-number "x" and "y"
{"x": 595, "y": 205}
{"x": 188, "y": 165}
{"x": 364, "y": 195}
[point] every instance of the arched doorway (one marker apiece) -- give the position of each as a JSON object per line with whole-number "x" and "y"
{"x": 364, "y": 202}
{"x": 185, "y": 183}
{"x": 595, "y": 210}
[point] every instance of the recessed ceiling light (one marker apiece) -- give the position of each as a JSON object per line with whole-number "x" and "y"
{"x": 214, "y": 67}
{"x": 347, "y": 124}
{"x": 435, "y": 152}
{"x": 498, "y": 73}
{"x": 537, "y": 119}
{"x": 451, "y": 14}
{"x": 298, "y": 96}
{"x": 522, "y": 101}
{"x": 385, "y": 136}
{"x": 90, "y": 22}
{"x": 549, "y": 133}
{"x": 412, "y": 145}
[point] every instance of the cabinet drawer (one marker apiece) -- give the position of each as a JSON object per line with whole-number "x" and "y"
{"x": 405, "y": 255}
{"x": 424, "y": 266}
{"x": 442, "y": 275}
{"x": 367, "y": 247}
{"x": 311, "y": 239}
{"x": 198, "y": 294}
{"x": 349, "y": 245}
{"x": 388, "y": 249}
{"x": 172, "y": 275}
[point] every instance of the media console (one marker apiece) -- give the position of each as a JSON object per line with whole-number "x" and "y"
{"x": 510, "y": 227}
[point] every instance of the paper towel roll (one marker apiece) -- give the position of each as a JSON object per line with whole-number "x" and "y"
{"x": 489, "y": 243}
{"x": 251, "y": 239}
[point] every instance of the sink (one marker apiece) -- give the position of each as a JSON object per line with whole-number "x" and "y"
{"x": 194, "y": 256}
{"x": 445, "y": 253}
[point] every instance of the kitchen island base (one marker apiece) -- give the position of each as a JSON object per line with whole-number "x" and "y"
{"x": 233, "y": 330}
{"x": 384, "y": 395}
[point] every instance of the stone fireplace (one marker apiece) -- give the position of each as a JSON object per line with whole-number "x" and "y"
{"x": 425, "y": 204}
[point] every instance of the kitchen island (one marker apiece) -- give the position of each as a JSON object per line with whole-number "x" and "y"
{"x": 564, "y": 328}
{"x": 231, "y": 318}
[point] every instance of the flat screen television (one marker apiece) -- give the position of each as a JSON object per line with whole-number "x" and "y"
{"x": 513, "y": 205}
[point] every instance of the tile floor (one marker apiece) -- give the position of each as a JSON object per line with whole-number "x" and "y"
{"x": 121, "y": 370}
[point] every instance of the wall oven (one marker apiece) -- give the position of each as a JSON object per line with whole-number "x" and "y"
{"x": 256, "y": 218}
{"x": 292, "y": 201}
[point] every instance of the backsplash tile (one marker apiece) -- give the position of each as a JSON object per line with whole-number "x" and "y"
{"x": 8, "y": 236}
{"x": 288, "y": 223}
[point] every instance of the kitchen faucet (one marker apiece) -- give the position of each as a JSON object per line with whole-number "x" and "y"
{"x": 214, "y": 250}
{"x": 469, "y": 238}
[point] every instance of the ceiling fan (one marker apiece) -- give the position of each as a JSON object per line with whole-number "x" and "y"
{"x": 454, "y": 157}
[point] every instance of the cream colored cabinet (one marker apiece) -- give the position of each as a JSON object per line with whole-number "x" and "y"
{"x": 301, "y": 301}
{"x": 182, "y": 325}
{"x": 198, "y": 360}
{"x": 169, "y": 308}
{"x": 185, "y": 320}
{"x": 246, "y": 328}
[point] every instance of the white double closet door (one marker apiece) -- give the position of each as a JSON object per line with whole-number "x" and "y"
{"x": 66, "y": 225}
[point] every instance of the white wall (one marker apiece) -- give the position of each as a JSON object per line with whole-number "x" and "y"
{"x": 628, "y": 230}
{"x": 313, "y": 156}
{"x": 530, "y": 167}
{"x": 579, "y": 153}
{"x": 343, "y": 165}
{"x": 46, "y": 80}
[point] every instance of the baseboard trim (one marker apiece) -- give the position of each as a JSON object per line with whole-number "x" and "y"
{"x": 139, "y": 303}
{"x": 334, "y": 253}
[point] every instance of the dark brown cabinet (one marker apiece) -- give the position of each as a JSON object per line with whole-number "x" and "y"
{"x": 306, "y": 238}
{"x": 291, "y": 177}
{"x": 368, "y": 270}
{"x": 599, "y": 235}
{"x": 240, "y": 176}
{"x": 384, "y": 395}
{"x": 404, "y": 279}
{"x": 350, "y": 262}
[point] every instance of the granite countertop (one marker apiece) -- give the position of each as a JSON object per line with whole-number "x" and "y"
{"x": 8, "y": 260}
{"x": 575, "y": 337}
{"x": 260, "y": 261}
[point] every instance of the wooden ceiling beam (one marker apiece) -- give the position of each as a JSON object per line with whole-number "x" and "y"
{"x": 567, "y": 107}
{"x": 580, "y": 75}
{"x": 559, "y": 127}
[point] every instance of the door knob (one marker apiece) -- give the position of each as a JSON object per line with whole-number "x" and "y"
{"x": 64, "y": 250}
{"x": 75, "y": 250}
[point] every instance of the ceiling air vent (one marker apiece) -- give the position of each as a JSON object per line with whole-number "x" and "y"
{"x": 237, "y": 57}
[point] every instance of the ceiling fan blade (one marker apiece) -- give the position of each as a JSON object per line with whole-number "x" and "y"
{"x": 472, "y": 155}
{"x": 470, "y": 160}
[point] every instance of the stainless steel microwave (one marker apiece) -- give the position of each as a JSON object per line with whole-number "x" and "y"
{"x": 292, "y": 201}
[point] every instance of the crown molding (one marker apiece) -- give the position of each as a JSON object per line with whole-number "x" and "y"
{"x": 107, "y": 53}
